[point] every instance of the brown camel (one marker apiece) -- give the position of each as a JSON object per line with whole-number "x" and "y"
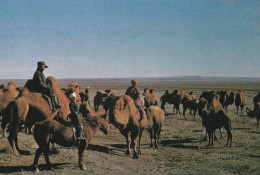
{"x": 124, "y": 115}
{"x": 150, "y": 98}
{"x": 98, "y": 98}
{"x": 30, "y": 107}
{"x": 155, "y": 120}
{"x": 240, "y": 101}
{"x": 189, "y": 101}
{"x": 171, "y": 98}
{"x": 51, "y": 130}
{"x": 7, "y": 94}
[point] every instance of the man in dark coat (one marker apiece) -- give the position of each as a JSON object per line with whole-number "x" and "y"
{"x": 40, "y": 85}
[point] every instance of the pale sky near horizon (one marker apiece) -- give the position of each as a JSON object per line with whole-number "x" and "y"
{"x": 130, "y": 38}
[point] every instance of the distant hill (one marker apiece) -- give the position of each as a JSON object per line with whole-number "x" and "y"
{"x": 170, "y": 79}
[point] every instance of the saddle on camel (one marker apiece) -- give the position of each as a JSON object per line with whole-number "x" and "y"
{"x": 30, "y": 107}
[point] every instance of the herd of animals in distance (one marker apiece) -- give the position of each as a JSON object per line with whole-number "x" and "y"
{"x": 22, "y": 106}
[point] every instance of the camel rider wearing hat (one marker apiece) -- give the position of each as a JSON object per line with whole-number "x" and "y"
{"x": 41, "y": 85}
{"x": 135, "y": 94}
{"x": 74, "y": 116}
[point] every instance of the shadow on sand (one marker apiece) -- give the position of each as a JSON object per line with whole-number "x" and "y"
{"x": 98, "y": 148}
{"x": 180, "y": 143}
{"x": 16, "y": 169}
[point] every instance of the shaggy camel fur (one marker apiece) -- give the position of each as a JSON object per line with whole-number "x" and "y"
{"x": 240, "y": 101}
{"x": 213, "y": 120}
{"x": 7, "y": 94}
{"x": 255, "y": 113}
{"x": 150, "y": 98}
{"x": 30, "y": 107}
{"x": 51, "y": 130}
{"x": 171, "y": 98}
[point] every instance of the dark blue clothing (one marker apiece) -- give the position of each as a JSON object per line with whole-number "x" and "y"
{"x": 39, "y": 82}
{"x": 74, "y": 115}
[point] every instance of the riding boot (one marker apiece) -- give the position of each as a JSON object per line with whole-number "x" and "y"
{"x": 56, "y": 103}
{"x": 142, "y": 114}
{"x": 80, "y": 133}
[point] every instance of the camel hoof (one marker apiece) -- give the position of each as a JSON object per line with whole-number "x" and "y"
{"x": 127, "y": 153}
{"x": 135, "y": 156}
{"x": 83, "y": 168}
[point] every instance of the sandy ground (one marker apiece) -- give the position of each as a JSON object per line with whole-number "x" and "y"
{"x": 180, "y": 151}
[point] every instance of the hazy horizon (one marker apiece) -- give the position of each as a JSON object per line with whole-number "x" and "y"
{"x": 114, "y": 39}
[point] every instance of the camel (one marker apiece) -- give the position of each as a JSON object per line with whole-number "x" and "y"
{"x": 51, "y": 131}
{"x": 7, "y": 94}
{"x": 30, "y": 107}
{"x": 173, "y": 98}
{"x": 124, "y": 115}
{"x": 150, "y": 98}
{"x": 189, "y": 101}
{"x": 84, "y": 96}
{"x": 155, "y": 120}
{"x": 230, "y": 98}
{"x": 213, "y": 120}
{"x": 98, "y": 98}
{"x": 240, "y": 101}
{"x": 254, "y": 113}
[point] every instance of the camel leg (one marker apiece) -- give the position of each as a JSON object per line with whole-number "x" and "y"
{"x": 151, "y": 136}
{"x": 184, "y": 110}
{"x": 46, "y": 156}
{"x": 134, "y": 135}
{"x": 209, "y": 134}
{"x": 158, "y": 134}
{"x": 257, "y": 122}
{"x": 127, "y": 142}
{"x": 140, "y": 136}
{"x": 156, "y": 129}
{"x": 81, "y": 151}
{"x": 194, "y": 114}
{"x": 36, "y": 158}
{"x": 3, "y": 126}
{"x": 229, "y": 137}
{"x": 12, "y": 138}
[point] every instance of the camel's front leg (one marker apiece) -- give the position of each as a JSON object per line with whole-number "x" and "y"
{"x": 134, "y": 135}
{"x": 81, "y": 151}
{"x": 140, "y": 136}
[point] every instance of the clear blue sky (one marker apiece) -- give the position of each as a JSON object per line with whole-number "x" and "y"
{"x": 130, "y": 38}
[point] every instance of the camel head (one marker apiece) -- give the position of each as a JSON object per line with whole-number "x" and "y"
{"x": 73, "y": 87}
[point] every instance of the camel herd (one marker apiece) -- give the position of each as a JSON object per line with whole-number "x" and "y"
{"x": 23, "y": 106}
